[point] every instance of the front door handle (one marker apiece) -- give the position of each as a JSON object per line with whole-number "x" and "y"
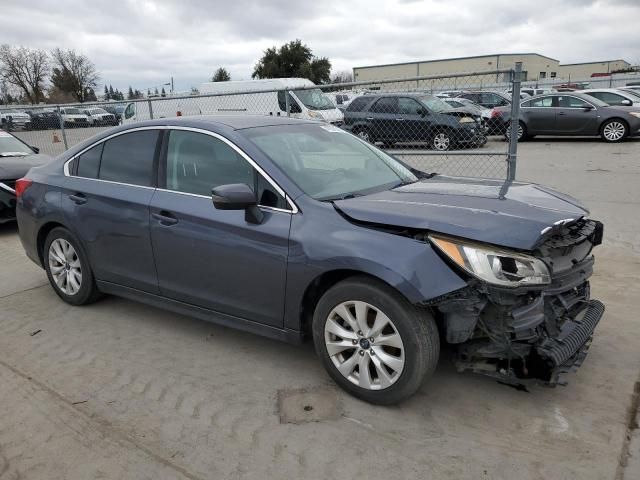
{"x": 78, "y": 198}
{"x": 165, "y": 218}
{"x": 369, "y": 118}
{"x": 399, "y": 119}
{"x": 561, "y": 113}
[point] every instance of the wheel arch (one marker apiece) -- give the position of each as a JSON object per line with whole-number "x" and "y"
{"x": 324, "y": 281}
{"x": 41, "y": 237}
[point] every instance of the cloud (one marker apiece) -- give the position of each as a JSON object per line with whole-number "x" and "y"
{"x": 144, "y": 43}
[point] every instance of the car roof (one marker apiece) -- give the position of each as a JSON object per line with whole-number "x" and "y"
{"x": 234, "y": 122}
{"x": 614, "y": 90}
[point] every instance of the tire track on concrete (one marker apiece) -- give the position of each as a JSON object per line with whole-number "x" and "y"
{"x": 84, "y": 425}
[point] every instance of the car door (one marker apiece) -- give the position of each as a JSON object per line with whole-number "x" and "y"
{"x": 539, "y": 115}
{"x": 413, "y": 120}
{"x": 213, "y": 258}
{"x": 106, "y": 203}
{"x": 382, "y": 118}
{"x": 575, "y": 116}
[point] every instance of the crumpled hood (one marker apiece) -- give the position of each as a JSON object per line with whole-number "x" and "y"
{"x": 468, "y": 208}
{"x": 12, "y": 168}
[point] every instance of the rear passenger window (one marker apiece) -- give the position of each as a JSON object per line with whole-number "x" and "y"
{"x": 89, "y": 162}
{"x": 386, "y": 105}
{"x": 128, "y": 158}
{"x": 358, "y": 104}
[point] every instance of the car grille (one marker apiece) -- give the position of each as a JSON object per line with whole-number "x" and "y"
{"x": 573, "y": 334}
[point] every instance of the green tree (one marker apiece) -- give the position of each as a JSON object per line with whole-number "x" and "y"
{"x": 73, "y": 73}
{"x": 130, "y": 95}
{"x": 106, "y": 93}
{"x": 293, "y": 59}
{"x": 163, "y": 93}
{"x": 111, "y": 93}
{"x": 90, "y": 95}
{"x": 221, "y": 75}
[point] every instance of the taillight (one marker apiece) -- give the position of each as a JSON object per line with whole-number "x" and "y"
{"x": 495, "y": 113}
{"x": 21, "y": 185}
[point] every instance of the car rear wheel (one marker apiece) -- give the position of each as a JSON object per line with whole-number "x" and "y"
{"x": 373, "y": 342}
{"x": 442, "y": 141}
{"x": 522, "y": 132}
{"x": 364, "y": 134}
{"x": 68, "y": 269}
{"x": 614, "y": 130}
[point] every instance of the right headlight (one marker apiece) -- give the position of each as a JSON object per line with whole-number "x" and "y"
{"x": 493, "y": 265}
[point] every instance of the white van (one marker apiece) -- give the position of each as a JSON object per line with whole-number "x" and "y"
{"x": 253, "y": 97}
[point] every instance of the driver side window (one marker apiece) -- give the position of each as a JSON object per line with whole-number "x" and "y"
{"x": 409, "y": 106}
{"x": 197, "y": 163}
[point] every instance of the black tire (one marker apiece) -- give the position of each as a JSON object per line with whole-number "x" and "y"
{"x": 442, "y": 140}
{"x": 522, "y": 132}
{"x": 364, "y": 134}
{"x": 614, "y": 130}
{"x": 416, "y": 327}
{"x": 88, "y": 292}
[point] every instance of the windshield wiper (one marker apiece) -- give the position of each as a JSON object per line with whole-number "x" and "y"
{"x": 13, "y": 154}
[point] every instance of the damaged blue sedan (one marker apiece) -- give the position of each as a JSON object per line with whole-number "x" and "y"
{"x": 290, "y": 228}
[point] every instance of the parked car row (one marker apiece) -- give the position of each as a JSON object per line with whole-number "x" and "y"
{"x": 71, "y": 117}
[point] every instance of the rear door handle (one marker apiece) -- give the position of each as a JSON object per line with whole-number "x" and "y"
{"x": 78, "y": 198}
{"x": 561, "y": 113}
{"x": 165, "y": 218}
{"x": 399, "y": 119}
{"x": 369, "y": 118}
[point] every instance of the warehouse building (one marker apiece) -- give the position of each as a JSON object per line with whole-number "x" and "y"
{"x": 535, "y": 67}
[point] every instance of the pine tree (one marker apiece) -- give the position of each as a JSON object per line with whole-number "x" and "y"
{"x": 163, "y": 93}
{"x": 106, "y": 93}
{"x": 111, "y": 93}
{"x": 130, "y": 95}
{"x": 155, "y": 92}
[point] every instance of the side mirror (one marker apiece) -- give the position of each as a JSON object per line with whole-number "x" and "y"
{"x": 422, "y": 112}
{"x": 237, "y": 196}
{"x": 626, "y": 103}
{"x": 588, "y": 108}
{"x": 35, "y": 149}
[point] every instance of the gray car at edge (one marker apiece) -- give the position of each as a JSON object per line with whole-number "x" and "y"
{"x": 290, "y": 228}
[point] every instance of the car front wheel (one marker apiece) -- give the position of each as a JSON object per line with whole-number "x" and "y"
{"x": 614, "y": 130}
{"x": 442, "y": 141}
{"x": 373, "y": 342}
{"x": 68, "y": 269}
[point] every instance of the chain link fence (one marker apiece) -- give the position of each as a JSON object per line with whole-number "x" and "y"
{"x": 440, "y": 124}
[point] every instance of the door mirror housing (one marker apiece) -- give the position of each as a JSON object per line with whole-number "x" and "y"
{"x": 35, "y": 149}
{"x": 626, "y": 102}
{"x": 588, "y": 108}
{"x": 237, "y": 196}
{"x": 422, "y": 112}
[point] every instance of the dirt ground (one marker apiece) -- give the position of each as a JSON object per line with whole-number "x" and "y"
{"x": 121, "y": 390}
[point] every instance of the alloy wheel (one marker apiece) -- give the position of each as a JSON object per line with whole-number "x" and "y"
{"x": 364, "y": 345}
{"x": 614, "y": 131}
{"x": 441, "y": 141}
{"x": 364, "y": 135}
{"x": 65, "y": 266}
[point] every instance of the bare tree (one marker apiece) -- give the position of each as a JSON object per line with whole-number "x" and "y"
{"x": 73, "y": 73}
{"x": 344, "y": 76}
{"x": 26, "y": 69}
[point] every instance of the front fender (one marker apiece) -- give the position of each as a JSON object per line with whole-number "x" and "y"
{"x": 331, "y": 243}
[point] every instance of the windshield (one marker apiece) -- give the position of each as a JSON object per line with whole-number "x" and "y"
{"x": 314, "y": 99}
{"x": 12, "y": 147}
{"x": 435, "y": 104}
{"x": 328, "y": 163}
{"x": 72, "y": 111}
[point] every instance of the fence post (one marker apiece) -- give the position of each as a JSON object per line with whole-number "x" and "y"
{"x": 286, "y": 103}
{"x": 515, "y": 117}
{"x": 64, "y": 134}
{"x": 150, "y": 109}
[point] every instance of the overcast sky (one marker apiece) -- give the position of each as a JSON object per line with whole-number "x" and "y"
{"x": 144, "y": 43}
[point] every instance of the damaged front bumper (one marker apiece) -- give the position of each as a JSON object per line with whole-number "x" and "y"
{"x": 531, "y": 335}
